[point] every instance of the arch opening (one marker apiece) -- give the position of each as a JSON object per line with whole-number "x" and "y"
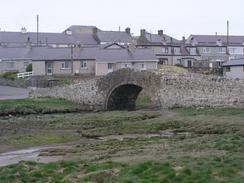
{"x": 124, "y": 97}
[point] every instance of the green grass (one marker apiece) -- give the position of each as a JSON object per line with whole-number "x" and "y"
{"x": 218, "y": 111}
{"x": 36, "y": 106}
{"x": 143, "y": 102}
{"x": 212, "y": 169}
{"x": 206, "y": 146}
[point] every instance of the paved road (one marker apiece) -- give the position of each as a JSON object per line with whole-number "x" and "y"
{"x": 7, "y": 92}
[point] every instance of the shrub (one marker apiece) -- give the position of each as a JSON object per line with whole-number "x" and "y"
{"x": 29, "y": 68}
{"x": 10, "y": 75}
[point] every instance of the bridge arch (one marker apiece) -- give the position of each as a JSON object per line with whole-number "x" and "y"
{"x": 123, "y": 97}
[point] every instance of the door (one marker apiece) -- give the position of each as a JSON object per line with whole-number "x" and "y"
{"x": 49, "y": 68}
{"x": 189, "y": 63}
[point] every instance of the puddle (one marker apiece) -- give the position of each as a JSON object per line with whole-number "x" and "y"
{"x": 31, "y": 154}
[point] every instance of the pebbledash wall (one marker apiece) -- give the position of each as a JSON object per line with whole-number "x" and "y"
{"x": 166, "y": 90}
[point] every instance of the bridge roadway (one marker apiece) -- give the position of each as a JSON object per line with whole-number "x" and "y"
{"x": 7, "y": 92}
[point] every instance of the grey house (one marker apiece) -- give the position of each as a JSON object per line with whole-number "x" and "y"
{"x": 215, "y": 49}
{"x": 14, "y": 59}
{"x": 76, "y": 60}
{"x": 86, "y": 36}
{"x": 234, "y": 68}
{"x": 168, "y": 50}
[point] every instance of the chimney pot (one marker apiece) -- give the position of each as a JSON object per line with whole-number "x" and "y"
{"x": 143, "y": 32}
{"x": 94, "y": 31}
{"x": 23, "y": 30}
{"x": 127, "y": 30}
{"x": 184, "y": 39}
{"x": 160, "y": 32}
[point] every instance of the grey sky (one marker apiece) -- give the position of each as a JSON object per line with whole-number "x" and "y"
{"x": 176, "y": 17}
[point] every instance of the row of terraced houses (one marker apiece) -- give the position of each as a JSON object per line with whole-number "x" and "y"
{"x": 89, "y": 50}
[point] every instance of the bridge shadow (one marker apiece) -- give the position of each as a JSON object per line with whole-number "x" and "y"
{"x": 124, "y": 97}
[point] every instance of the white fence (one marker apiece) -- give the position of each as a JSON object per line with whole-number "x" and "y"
{"x": 24, "y": 74}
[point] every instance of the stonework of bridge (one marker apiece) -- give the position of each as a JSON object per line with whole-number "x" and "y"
{"x": 120, "y": 89}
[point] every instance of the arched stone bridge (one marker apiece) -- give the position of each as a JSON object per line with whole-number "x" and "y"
{"x": 120, "y": 89}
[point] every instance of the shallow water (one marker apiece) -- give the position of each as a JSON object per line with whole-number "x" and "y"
{"x": 30, "y": 154}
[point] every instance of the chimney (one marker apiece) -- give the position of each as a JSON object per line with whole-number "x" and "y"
{"x": 143, "y": 32}
{"x": 23, "y": 30}
{"x": 94, "y": 31}
{"x": 28, "y": 44}
{"x": 183, "y": 39}
{"x": 127, "y": 30}
{"x": 160, "y": 32}
{"x": 94, "y": 34}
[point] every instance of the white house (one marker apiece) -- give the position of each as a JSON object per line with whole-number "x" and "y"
{"x": 234, "y": 68}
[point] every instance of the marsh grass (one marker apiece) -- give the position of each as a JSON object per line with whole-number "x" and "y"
{"x": 37, "y": 106}
{"x": 210, "y": 152}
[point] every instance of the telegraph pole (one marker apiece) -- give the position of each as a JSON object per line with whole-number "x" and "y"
{"x": 228, "y": 32}
{"x": 37, "y": 30}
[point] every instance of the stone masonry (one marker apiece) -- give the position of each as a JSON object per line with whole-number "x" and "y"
{"x": 165, "y": 89}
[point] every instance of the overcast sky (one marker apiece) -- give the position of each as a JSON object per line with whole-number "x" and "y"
{"x": 176, "y": 17}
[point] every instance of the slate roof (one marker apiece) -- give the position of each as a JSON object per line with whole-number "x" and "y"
{"x": 235, "y": 62}
{"x": 50, "y": 38}
{"x": 98, "y": 54}
{"x": 156, "y": 39}
{"x": 212, "y": 39}
{"x": 14, "y": 53}
{"x": 114, "y": 36}
{"x": 123, "y": 55}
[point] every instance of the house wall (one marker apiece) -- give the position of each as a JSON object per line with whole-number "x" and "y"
{"x": 90, "y": 69}
{"x": 18, "y": 65}
{"x": 235, "y": 72}
{"x": 147, "y": 65}
{"x": 101, "y": 69}
{"x": 38, "y": 68}
{"x": 57, "y": 68}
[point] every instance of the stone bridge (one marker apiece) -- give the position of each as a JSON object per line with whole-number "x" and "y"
{"x": 120, "y": 89}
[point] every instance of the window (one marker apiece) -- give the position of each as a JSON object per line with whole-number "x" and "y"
{"x": 166, "y": 50}
{"x": 193, "y": 51}
{"x": 163, "y": 61}
{"x": 177, "y": 51}
{"x": 110, "y": 66}
{"x": 83, "y": 64}
{"x": 221, "y": 50}
{"x": 10, "y": 65}
{"x": 227, "y": 69}
{"x": 49, "y": 68}
{"x": 26, "y": 64}
{"x": 126, "y": 65}
{"x": 142, "y": 66}
{"x": 206, "y": 50}
{"x": 65, "y": 65}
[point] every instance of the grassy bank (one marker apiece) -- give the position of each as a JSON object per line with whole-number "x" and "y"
{"x": 183, "y": 170}
{"x": 36, "y": 106}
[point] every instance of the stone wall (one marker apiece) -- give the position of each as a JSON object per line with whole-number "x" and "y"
{"x": 85, "y": 93}
{"x": 165, "y": 89}
{"x": 19, "y": 83}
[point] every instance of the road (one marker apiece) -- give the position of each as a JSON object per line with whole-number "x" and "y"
{"x": 7, "y": 92}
